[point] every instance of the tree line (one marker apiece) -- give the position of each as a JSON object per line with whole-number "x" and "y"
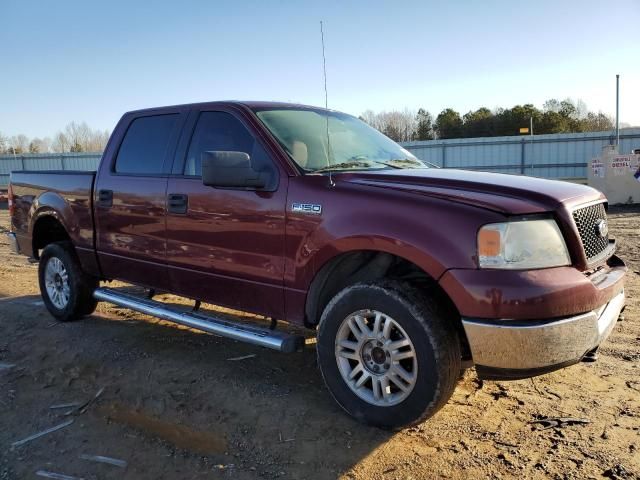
{"x": 566, "y": 116}
{"x": 75, "y": 137}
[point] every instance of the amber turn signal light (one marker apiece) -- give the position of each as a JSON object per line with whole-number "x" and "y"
{"x": 489, "y": 242}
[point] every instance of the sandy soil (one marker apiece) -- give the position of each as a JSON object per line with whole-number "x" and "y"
{"x": 175, "y": 405}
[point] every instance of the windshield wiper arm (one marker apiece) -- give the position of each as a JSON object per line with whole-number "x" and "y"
{"x": 355, "y": 163}
{"x": 388, "y": 164}
{"x": 414, "y": 162}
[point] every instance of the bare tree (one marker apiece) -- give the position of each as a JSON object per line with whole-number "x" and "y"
{"x": 45, "y": 144}
{"x": 40, "y": 145}
{"x": 598, "y": 122}
{"x": 18, "y": 144}
{"x": 97, "y": 141}
{"x": 75, "y": 137}
{"x": 400, "y": 126}
{"x": 60, "y": 143}
{"x": 582, "y": 111}
{"x": 79, "y": 137}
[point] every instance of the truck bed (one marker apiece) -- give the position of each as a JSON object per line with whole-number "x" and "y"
{"x": 69, "y": 193}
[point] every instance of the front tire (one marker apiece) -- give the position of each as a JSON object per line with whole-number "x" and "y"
{"x": 388, "y": 355}
{"x": 66, "y": 290}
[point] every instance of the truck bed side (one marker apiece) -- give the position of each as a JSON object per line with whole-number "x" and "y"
{"x": 46, "y": 200}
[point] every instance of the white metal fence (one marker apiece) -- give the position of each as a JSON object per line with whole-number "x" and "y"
{"x": 46, "y": 161}
{"x": 563, "y": 156}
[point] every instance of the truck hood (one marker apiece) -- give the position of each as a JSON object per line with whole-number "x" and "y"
{"x": 509, "y": 194}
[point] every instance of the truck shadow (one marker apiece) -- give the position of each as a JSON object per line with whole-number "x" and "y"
{"x": 202, "y": 394}
{"x": 29, "y": 300}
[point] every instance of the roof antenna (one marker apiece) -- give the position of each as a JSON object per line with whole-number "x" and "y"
{"x": 326, "y": 106}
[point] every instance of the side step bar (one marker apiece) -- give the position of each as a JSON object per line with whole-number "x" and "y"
{"x": 283, "y": 342}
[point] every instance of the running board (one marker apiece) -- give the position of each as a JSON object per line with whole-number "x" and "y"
{"x": 283, "y": 342}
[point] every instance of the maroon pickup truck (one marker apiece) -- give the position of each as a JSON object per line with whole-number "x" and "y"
{"x": 406, "y": 273}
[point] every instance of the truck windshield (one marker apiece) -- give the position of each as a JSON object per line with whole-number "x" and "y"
{"x": 350, "y": 144}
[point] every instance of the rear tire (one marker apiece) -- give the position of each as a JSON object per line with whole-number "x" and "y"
{"x": 66, "y": 290}
{"x": 388, "y": 355}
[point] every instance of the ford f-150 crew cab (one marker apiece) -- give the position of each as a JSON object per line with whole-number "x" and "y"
{"x": 406, "y": 273}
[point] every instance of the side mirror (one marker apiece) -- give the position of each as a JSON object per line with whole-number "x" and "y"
{"x": 230, "y": 169}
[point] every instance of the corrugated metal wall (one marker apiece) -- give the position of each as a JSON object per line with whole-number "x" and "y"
{"x": 550, "y": 156}
{"x": 46, "y": 161}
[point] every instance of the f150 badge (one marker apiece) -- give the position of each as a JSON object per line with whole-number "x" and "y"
{"x": 308, "y": 208}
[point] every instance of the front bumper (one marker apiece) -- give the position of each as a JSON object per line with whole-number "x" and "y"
{"x": 558, "y": 292}
{"x": 513, "y": 349}
{"x": 13, "y": 242}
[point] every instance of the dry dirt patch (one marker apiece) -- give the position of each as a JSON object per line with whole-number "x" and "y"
{"x": 175, "y": 406}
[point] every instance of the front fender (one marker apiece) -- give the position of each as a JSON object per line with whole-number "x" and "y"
{"x": 436, "y": 240}
{"x": 432, "y": 233}
{"x": 377, "y": 243}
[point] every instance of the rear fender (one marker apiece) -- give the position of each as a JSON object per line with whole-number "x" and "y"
{"x": 54, "y": 205}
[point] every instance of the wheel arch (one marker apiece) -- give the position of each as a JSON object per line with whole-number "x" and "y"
{"x": 360, "y": 265}
{"x": 47, "y": 228}
{"x": 369, "y": 265}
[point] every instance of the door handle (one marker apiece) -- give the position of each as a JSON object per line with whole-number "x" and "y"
{"x": 178, "y": 203}
{"x": 105, "y": 198}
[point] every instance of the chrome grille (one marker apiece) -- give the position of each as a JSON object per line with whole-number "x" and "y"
{"x": 587, "y": 220}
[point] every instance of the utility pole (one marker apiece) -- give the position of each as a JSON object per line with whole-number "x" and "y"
{"x": 531, "y": 136}
{"x": 531, "y": 128}
{"x": 618, "y": 111}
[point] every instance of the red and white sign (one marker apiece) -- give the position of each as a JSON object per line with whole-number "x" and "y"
{"x": 623, "y": 164}
{"x": 597, "y": 168}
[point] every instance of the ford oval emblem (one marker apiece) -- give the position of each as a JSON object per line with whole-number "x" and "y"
{"x": 602, "y": 228}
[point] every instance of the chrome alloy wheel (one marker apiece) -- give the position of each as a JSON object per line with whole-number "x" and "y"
{"x": 376, "y": 358}
{"x": 56, "y": 281}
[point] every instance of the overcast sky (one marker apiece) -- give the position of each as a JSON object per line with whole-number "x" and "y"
{"x": 92, "y": 61}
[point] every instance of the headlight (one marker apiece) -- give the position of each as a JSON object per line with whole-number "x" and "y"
{"x": 522, "y": 245}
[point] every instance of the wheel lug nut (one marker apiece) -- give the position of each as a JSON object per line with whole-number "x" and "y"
{"x": 376, "y": 368}
{"x": 367, "y": 357}
{"x": 386, "y": 365}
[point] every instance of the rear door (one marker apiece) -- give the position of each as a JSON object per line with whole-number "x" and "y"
{"x": 130, "y": 199}
{"x": 226, "y": 245}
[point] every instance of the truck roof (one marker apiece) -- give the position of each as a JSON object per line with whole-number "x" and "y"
{"x": 252, "y": 104}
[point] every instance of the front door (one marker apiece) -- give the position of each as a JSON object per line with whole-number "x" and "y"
{"x": 224, "y": 245}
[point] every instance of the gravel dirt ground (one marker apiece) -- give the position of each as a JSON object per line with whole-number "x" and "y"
{"x": 175, "y": 405}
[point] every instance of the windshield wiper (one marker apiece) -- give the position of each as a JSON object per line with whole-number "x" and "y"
{"x": 379, "y": 162}
{"x": 368, "y": 163}
{"x": 355, "y": 163}
{"x": 417, "y": 163}
{"x": 388, "y": 164}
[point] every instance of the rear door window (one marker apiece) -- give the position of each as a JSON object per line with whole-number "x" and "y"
{"x": 145, "y": 144}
